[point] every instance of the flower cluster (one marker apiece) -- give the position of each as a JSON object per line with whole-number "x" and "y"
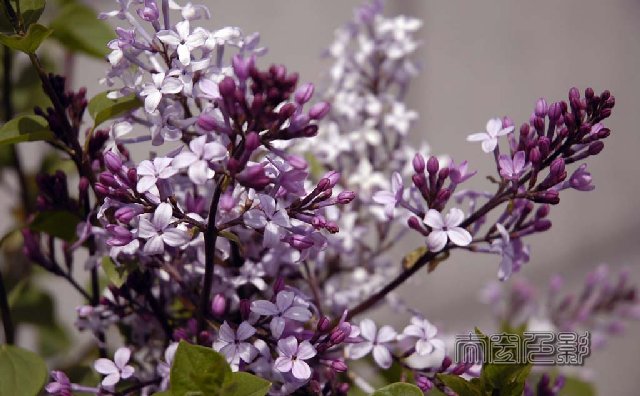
{"x": 260, "y": 224}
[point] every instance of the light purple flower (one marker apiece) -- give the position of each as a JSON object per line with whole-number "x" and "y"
{"x": 268, "y": 217}
{"x": 489, "y": 138}
{"x": 444, "y": 229}
{"x": 512, "y": 168}
{"x": 231, "y": 344}
{"x": 581, "y": 179}
{"x": 158, "y": 233}
{"x": 152, "y": 92}
{"x": 285, "y": 307}
{"x": 198, "y": 158}
{"x": 117, "y": 369}
{"x": 514, "y": 253}
{"x": 424, "y": 333}
{"x": 60, "y": 386}
{"x": 391, "y": 199}
{"x": 183, "y": 40}
{"x": 150, "y": 172}
{"x": 460, "y": 173}
{"x": 292, "y": 357}
{"x": 374, "y": 341}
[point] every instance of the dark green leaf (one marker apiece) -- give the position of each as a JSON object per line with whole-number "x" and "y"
{"x": 116, "y": 274}
{"x": 102, "y": 108}
{"x": 245, "y": 384}
{"x": 22, "y": 373}
{"x": 77, "y": 28}
{"x": 58, "y": 223}
{"x": 53, "y": 340}
{"x": 31, "y": 11}
{"x": 25, "y": 128}
{"x": 198, "y": 371}
{"x": 28, "y": 43}
{"x": 32, "y": 305}
{"x": 398, "y": 389}
{"x": 459, "y": 385}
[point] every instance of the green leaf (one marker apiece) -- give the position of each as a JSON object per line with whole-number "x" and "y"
{"x": 576, "y": 387}
{"x": 31, "y": 11}
{"x": 32, "y": 305}
{"x": 459, "y": 385}
{"x": 22, "y": 373}
{"x": 101, "y": 108}
{"x": 58, "y": 223}
{"x": 53, "y": 340}
{"x": 29, "y": 42}
{"x": 246, "y": 384}
{"x": 77, "y": 28}
{"x": 198, "y": 371}
{"x": 116, "y": 274}
{"x": 398, "y": 389}
{"x": 165, "y": 393}
{"x": 25, "y": 128}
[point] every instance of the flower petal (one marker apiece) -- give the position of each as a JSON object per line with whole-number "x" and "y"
{"x": 264, "y": 307}
{"x": 283, "y": 364}
{"x": 184, "y": 159}
{"x": 359, "y": 350}
{"x": 433, "y": 219}
{"x": 459, "y": 236}
{"x": 489, "y": 145}
{"x": 436, "y": 240}
{"x": 301, "y": 370}
{"x": 121, "y": 357}
{"x": 245, "y": 330}
{"x": 226, "y": 333}
{"x": 300, "y": 314}
{"x": 162, "y": 216}
{"x": 382, "y": 356}
{"x": 284, "y": 299}
{"x": 105, "y": 366}
{"x": 368, "y": 329}
{"x": 306, "y": 350}
{"x": 454, "y": 218}
{"x": 386, "y": 334}
{"x": 288, "y": 346}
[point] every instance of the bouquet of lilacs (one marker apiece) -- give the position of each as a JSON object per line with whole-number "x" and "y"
{"x": 243, "y": 253}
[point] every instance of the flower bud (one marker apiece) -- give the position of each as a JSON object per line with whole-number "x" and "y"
{"x": 418, "y": 163}
{"x": 112, "y": 161}
{"x": 319, "y": 110}
{"x": 339, "y": 366}
{"x": 432, "y": 165}
{"x": 541, "y": 108}
{"x": 242, "y": 66}
{"x": 345, "y": 197}
{"x": 303, "y": 93}
{"x": 218, "y": 305}
{"x": 596, "y": 147}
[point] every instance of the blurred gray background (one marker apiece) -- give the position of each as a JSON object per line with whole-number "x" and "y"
{"x": 484, "y": 59}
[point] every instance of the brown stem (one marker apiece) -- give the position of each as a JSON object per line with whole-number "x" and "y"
{"x": 7, "y": 323}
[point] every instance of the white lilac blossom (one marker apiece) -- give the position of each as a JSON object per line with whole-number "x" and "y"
{"x": 489, "y": 138}
{"x": 374, "y": 341}
{"x": 285, "y": 307}
{"x": 232, "y": 344}
{"x": 424, "y": 333}
{"x": 183, "y": 39}
{"x": 292, "y": 357}
{"x": 116, "y": 369}
{"x": 157, "y": 232}
{"x": 198, "y": 157}
{"x": 152, "y": 171}
{"x": 445, "y": 229}
{"x": 162, "y": 84}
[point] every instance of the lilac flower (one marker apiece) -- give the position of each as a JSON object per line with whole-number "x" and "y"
{"x": 285, "y": 307}
{"x": 581, "y": 179}
{"x": 292, "y": 357}
{"x": 269, "y": 217}
{"x": 117, "y": 369}
{"x": 183, "y": 40}
{"x": 512, "y": 168}
{"x": 489, "y": 138}
{"x": 374, "y": 341}
{"x": 160, "y": 168}
{"x": 60, "y": 386}
{"x": 199, "y": 157}
{"x": 447, "y": 228}
{"x": 164, "y": 368}
{"x": 424, "y": 333}
{"x": 152, "y": 92}
{"x": 460, "y": 173}
{"x": 514, "y": 253}
{"x": 158, "y": 233}
{"x": 391, "y": 199}
{"x": 231, "y": 344}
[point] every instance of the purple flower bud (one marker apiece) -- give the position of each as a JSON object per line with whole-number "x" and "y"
{"x": 418, "y": 163}
{"x": 245, "y": 309}
{"x": 303, "y": 93}
{"x": 339, "y": 366}
{"x": 324, "y": 184}
{"x": 345, "y": 197}
{"x": 112, "y": 161}
{"x": 557, "y": 167}
{"x": 319, "y": 110}
{"x": 550, "y": 197}
{"x": 596, "y": 147}
{"x": 541, "y": 108}
{"x": 278, "y": 285}
{"x": 581, "y": 179}
{"x": 149, "y": 12}
{"x": 227, "y": 87}
{"x": 324, "y": 324}
{"x": 83, "y": 185}
{"x": 574, "y": 94}
{"x": 543, "y": 211}
{"x": 535, "y": 156}
{"x": 432, "y": 165}
{"x": 218, "y": 305}
{"x": 287, "y": 111}
{"x": 101, "y": 189}
{"x": 252, "y": 141}
{"x": 108, "y": 180}
{"x": 242, "y": 66}
{"x": 332, "y": 227}
{"x": 301, "y": 242}
{"x": 507, "y": 122}
{"x": 338, "y": 336}
{"x": 297, "y": 162}
{"x": 555, "y": 111}
{"x": 254, "y": 177}
{"x": 424, "y": 383}
{"x": 126, "y": 214}
{"x": 542, "y": 225}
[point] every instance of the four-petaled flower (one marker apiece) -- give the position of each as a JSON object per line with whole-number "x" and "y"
{"x": 183, "y": 40}
{"x": 391, "y": 199}
{"x": 198, "y": 158}
{"x": 444, "y": 229}
{"x": 233, "y": 346}
{"x": 117, "y": 369}
{"x": 160, "y": 168}
{"x": 424, "y": 333}
{"x": 374, "y": 340}
{"x": 292, "y": 357}
{"x": 152, "y": 92}
{"x": 512, "y": 168}
{"x": 489, "y": 138}
{"x": 284, "y": 307}
{"x": 157, "y": 231}
{"x": 269, "y": 217}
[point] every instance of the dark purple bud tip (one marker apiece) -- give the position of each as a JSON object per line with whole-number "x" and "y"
{"x": 333, "y": 177}
{"x": 242, "y": 66}
{"x": 339, "y": 366}
{"x": 112, "y": 161}
{"x": 595, "y": 148}
{"x": 227, "y": 87}
{"x": 418, "y": 163}
{"x": 207, "y": 122}
{"x": 541, "y": 108}
{"x": 319, "y": 110}
{"x": 252, "y": 141}
{"x": 542, "y": 225}
{"x": 324, "y": 324}
{"x": 218, "y": 305}
{"x": 433, "y": 165}
{"x": 345, "y": 197}
{"x": 543, "y": 211}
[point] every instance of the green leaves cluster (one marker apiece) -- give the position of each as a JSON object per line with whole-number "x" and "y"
{"x": 495, "y": 379}
{"x": 201, "y": 371}
{"x": 22, "y": 373}
{"x": 101, "y": 108}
